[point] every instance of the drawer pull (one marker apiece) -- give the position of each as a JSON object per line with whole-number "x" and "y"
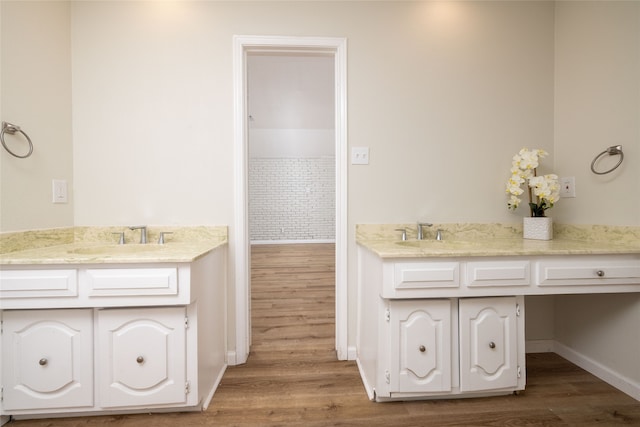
{"x": 43, "y": 362}
{"x": 422, "y": 349}
{"x": 140, "y": 360}
{"x": 600, "y": 273}
{"x": 492, "y": 345}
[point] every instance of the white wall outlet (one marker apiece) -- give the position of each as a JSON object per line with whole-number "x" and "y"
{"x": 360, "y": 155}
{"x": 59, "y": 191}
{"x": 568, "y": 186}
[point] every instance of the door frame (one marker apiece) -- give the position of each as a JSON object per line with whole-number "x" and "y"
{"x": 241, "y": 46}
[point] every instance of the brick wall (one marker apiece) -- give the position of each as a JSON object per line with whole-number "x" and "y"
{"x": 292, "y": 199}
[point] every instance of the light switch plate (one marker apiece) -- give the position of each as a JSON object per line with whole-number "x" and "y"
{"x": 360, "y": 155}
{"x": 59, "y": 191}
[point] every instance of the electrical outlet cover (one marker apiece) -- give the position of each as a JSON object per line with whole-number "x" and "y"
{"x": 568, "y": 186}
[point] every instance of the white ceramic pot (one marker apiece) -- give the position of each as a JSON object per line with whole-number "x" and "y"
{"x": 538, "y": 228}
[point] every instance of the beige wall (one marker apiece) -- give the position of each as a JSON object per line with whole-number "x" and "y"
{"x": 443, "y": 93}
{"x": 597, "y": 104}
{"x": 430, "y": 86}
{"x": 35, "y": 94}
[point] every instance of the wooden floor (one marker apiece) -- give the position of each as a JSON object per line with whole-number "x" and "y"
{"x": 292, "y": 377}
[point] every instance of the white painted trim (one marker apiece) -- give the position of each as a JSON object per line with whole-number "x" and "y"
{"x": 606, "y": 374}
{"x": 352, "y": 353}
{"x": 231, "y": 358}
{"x": 290, "y": 242}
{"x": 241, "y": 229}
{"x": 342, "y": 321}
{"x": 331, "y": 45}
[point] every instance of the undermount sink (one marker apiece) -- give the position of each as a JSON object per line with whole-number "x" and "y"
{"x": 116, "y": 249}
{"x": 432, "y": 244}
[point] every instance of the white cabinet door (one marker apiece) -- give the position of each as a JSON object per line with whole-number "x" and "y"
{"x": 47, "y": 359}
{"x": 142, "y": 356}
{"x": 420, "y": 345}
{"x": 488, "y": 343}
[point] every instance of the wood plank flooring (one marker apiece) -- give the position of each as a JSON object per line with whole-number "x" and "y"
{"x": 292, "y": 377}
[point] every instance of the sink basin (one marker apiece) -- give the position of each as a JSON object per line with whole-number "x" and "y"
{"x": 444, "y": 244}
{"x": 116, "y": 249}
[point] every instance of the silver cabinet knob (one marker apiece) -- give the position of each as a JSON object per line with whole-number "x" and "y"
{"x": 43, "y": 362}
{"x": 600, "y": 273}
{"x": 492, "y": 345}
{"x": 422, "y": 349}
{"x": 140, "y": 360}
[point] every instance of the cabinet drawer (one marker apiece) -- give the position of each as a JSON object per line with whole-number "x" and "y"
{"x": 38, "y": 283}
{"x": 498, "y": 273}
{"x": 111, "y": 282}
{"x": 426, "y": 275}
{"x": 596, "y": 272}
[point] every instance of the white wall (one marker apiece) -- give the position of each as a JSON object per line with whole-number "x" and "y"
{"x": 35, "y": 94}
{"x": 290, "y": 105}
{"x": 292, "y": 199}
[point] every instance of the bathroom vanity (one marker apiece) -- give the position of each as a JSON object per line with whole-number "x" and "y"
{"x": 94, "y": 329}
{"x": 445, "y": 319}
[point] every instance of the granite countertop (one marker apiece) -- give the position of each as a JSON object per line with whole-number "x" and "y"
{"x": 97, "y": 246}
{"x": 483, "y": 240}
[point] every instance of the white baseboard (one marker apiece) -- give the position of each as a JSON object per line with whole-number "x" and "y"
{"x": 289, "y": 242}
{"x": 606, "y": 374}
{"x": 232, "y": 359}
{"x": 352, "y": 353}
{"x": 539, "y": 346}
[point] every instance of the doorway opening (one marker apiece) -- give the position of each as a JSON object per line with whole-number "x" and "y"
{"x": 243, "y": 46}
{"x": 291, "y": 142}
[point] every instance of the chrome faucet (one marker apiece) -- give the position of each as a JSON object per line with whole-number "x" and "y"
{"x": 143, "y": 232}
{"x": 420, "y": 225}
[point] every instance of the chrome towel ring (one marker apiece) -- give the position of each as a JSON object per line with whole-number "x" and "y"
{"x": 612, "y": 151}
{"x": 11, "y": 130}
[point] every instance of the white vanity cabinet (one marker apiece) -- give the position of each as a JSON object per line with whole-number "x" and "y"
{"x": 448, "y": 347}
{"x": 447, "y": 326}
{"x": 122, "y": 338}
{"x": 141, "y": 358}
{"x": 420, "y": 337}
{"x": 490, "y": 355}
{"x": 47, "y": 359}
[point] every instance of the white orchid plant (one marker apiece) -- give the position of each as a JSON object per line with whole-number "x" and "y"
{"x": 545, "y": 188}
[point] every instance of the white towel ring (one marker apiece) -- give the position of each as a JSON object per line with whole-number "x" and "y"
{"x": 11, "y": 130}
{"x": 612, "y": 151}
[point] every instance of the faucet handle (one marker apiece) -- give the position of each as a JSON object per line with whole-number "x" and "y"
{"x": 121, "y": 238}
{"x": 161, "y": 237}
{"x": 404, "y": 233}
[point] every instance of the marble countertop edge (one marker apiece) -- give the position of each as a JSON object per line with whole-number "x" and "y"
{"x": 98, "y": 245}
{"x": 486, "y": 240}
